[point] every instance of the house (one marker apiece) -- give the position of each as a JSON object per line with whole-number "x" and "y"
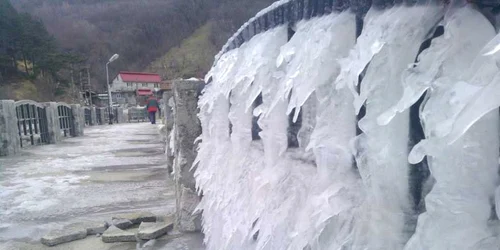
{"x": 133, "y": 88}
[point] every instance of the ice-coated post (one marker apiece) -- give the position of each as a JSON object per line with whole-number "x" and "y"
{"x": 9, "y": 132}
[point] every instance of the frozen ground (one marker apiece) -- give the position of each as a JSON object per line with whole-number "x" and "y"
{"x": 112, "y": 169}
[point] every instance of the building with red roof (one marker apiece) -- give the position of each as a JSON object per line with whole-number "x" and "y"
{"x": 131, "y": 87}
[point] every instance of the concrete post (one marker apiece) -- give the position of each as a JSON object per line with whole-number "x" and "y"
{"x": 120, "y": 117}
{"x": 93, "y": 116}
{"x": 104, "y": 115}
{"x": 78, "y": 119}
{"x": 9, "y": 132}
{"x": 186, "y": 129}
{"x": 54, "y": 128}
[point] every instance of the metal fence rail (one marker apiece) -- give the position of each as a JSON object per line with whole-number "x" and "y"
{"x": 137, "y": 114}
{"x": 115, "y": 115}
{"x": 32, "y": 123}
{"x": 106, "y": 115}
{"x": 66, "y": 122}
{"x": 98, "y": 116}
{"x": 88, "y": 116}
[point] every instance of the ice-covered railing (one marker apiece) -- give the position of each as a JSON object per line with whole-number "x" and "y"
{"x": 419, "y": 80}
{"x": 292, "y": 11}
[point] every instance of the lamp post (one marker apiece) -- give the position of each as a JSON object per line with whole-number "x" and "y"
{"x": 110, "y": 101}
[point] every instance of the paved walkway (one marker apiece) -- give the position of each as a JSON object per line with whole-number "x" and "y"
{"x": 111, "y": 170}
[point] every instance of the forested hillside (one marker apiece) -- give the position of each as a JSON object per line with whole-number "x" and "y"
{"x": 141, "y": 31}
{"x": 30, "y": 55}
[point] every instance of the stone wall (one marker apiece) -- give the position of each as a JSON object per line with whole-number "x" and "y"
{"x": 187, "y": 128}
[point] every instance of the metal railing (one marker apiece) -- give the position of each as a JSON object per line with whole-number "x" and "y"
{"x": 115, "y": 115}
{"x": 66, "y": 120}
{"x": 105, "y": 112}
{"x": 289, "y": 13}
{"x": 88, "y": 116}
{"x": 137, "y": 114}
{"x": 31, "y": 123}
{"x": 98, "y": 112}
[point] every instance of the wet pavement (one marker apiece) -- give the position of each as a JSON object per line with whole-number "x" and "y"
{"x": 111, "y": 170}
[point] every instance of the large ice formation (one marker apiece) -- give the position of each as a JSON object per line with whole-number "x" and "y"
{"x": 340, "y": 188}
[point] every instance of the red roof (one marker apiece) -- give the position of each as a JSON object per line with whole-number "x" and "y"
{"x": 140, "y": 77}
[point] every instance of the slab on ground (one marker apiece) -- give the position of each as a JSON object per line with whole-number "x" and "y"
{"x": 137, "y": 218}
{"x": 153, "y": 230}
{"x": 114, "y": 234}
{"x": 67, "y": 234}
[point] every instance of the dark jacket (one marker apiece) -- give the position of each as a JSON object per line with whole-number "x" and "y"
{"x": 152, "y": 105}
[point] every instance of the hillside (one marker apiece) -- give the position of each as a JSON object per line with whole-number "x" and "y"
{"x": 142, "y": 32}
{"x": 32, "y": 65}
{"x": 192, "y": 58}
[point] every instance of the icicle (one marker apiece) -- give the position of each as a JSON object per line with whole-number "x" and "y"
{"x": 440, "y": 70}
{"x": 225, "y": 159}
{"x": 389, "y": 42}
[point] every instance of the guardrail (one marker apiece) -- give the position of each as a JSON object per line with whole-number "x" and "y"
{"x": 28, "y": 123}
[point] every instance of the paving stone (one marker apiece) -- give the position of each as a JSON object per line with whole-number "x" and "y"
{"x": 153, "y": 230}
{"x": 67, "y": 234}
{"x": 114, "y": 234}
{"x": 94, "y": 227}
{"x": 122, "y": 223}
{"x": 137, "y": 218}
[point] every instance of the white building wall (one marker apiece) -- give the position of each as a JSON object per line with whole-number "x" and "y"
{"x": 118, "y": 85}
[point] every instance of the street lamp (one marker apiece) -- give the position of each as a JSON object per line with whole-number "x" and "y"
{"x": 110, "y": 103}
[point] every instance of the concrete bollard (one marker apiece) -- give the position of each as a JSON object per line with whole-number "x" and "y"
{"x": 93, "y": 116}
{"x": 53, "y": 126}
{"x": 104, "y": 116}
{"x": 186, "y": 128}
{"x": 120, "y": 116}
{"x": 9, "y": 132}
{"x": 78, "y": 119}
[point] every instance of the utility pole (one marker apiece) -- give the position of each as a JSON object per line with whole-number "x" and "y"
{"x": 89, "y": 86}
{"x": 110, "y": 103}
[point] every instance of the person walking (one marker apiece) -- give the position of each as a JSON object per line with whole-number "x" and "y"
{"x": 152, "y": 107}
